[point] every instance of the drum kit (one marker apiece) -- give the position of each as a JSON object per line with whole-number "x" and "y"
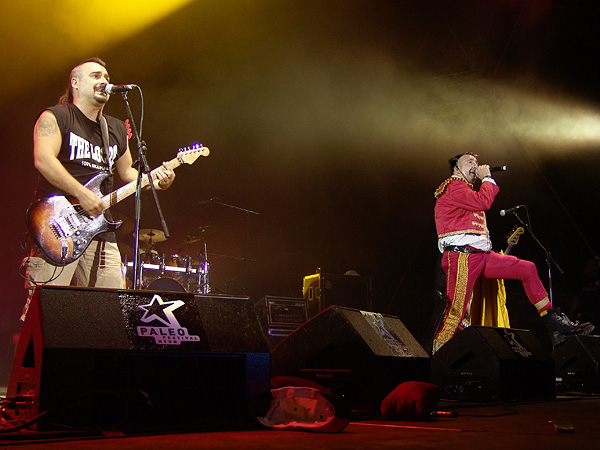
{"x": 172, "y": 271}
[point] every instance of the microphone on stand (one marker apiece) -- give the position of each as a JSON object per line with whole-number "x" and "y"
{"x": 503, "y": 212}
{"x": 112, "y": 88}
{"x": 210, "y": 200}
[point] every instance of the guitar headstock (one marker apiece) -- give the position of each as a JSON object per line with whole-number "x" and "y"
{"x": 515, "y": 234}
{"x": 188, "y": 155}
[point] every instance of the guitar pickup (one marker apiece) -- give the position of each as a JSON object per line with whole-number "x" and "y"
{"x": 64, "y": 226}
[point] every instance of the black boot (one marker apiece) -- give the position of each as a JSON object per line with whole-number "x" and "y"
{"x": 561, "y": 327}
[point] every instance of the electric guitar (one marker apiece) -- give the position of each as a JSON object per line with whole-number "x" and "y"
{"x": 62, "y": 228}
{"x": 513, "y": 238}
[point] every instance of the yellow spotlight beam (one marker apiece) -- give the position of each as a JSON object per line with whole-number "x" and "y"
{"x": 44, "y": 36}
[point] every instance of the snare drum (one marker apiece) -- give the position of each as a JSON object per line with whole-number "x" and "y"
{"x": 165, "y": 284}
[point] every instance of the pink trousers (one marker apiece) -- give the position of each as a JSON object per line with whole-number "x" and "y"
{"x": 463, "y": 269}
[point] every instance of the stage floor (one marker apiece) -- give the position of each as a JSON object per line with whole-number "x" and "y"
{"x": 566, "y": 423}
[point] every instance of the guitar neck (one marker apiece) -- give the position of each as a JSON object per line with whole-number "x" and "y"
{"x": 126, "y": 190}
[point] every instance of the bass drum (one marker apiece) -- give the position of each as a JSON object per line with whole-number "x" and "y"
{"x": 165, "y": 284}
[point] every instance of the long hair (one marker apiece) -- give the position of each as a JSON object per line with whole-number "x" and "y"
{"x": 67, "y": 97}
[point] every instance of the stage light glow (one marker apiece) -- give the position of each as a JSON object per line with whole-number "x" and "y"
{"x": 59, "y": 33}
{"x": 109, "y": 21}
{"x": 563, "y": 127}
{"x": 385, "y": 106}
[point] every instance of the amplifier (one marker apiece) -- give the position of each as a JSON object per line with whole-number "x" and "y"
{"x": 323, "y": 290}
{"x": 279, "y": 316}
{"x": 281, "y": 312}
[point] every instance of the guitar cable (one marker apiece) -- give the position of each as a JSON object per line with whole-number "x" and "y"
{"x": 31, "y": 250}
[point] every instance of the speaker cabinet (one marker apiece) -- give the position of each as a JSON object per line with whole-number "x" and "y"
{"x": 578, "y": 365}
{"x": 279, "y": 316}
{"x": 139, "y": 361}
{"x": 483, "y": 364}
{"x": 324, "y": 290}
{"x": 361, "y": 356}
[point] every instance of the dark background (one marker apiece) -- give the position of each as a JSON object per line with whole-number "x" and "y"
{"x": 334, "y": 121}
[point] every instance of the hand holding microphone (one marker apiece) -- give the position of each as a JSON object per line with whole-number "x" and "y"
{"x": 482, "y": 173}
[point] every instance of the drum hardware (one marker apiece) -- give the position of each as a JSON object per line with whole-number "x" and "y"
{"x": 198, "y": 235}
{"x": 165, "y": 269}
{"x": 162, "y": 265}
{"x": 165, "y": 284}
{"x": 188, "y": 275}
{"x": 152, "y": 236}
{"x": 175, "y": 269}
{"x": 176, "y": 260}
{"x": 202, "y": 272}
{"x": 150, "y": 256}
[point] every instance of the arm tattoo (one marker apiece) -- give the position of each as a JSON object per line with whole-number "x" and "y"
{"x": 46, "y": 127}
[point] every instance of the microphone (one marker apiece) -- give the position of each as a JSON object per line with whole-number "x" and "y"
{"x": 495, "y": 169}
{"x": 210, "y": 200}
{"x": 111, "y": 88}
{"x": 503, "y": 212}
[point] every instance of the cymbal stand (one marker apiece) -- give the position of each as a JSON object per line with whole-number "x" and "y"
{"x": 203, "y": 284}
{"x": 188, "y": 274}
{"x": 161, "y": 267}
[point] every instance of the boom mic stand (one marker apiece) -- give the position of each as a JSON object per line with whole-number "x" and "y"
{"x": 142, "y": 169}
{"x": 549, "y": 259}
{"x": 247, "y": 212}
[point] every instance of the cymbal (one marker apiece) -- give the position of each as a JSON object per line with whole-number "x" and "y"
{"x": 152, "y": 235}
{"x": 199, "y": 235}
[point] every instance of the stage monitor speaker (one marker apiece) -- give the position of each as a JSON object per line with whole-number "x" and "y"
{"x": 361, "y": 356}
{"x": 139, "y": 361}
{"x": 484, "y": 364}
{"x": 323, "y": 290}
{"x": 578, "y": 365}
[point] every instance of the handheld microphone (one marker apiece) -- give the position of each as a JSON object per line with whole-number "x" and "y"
{"x": 111, "y": 88}
{"x": 495, "y": 169}
{"x": 503, "y": 212}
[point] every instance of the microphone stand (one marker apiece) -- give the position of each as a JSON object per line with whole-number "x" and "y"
{"x": 549, "y": 259}
{"x": 247, "y": 212}
{"x": 143, "y": 168}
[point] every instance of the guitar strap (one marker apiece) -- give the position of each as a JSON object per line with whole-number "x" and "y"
{"x": 105, "y": 141}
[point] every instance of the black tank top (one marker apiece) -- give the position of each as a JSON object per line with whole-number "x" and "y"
{"x": 82, "y": 152}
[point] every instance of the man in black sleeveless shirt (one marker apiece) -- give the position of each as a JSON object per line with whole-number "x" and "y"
{"x": 68, "y": 150}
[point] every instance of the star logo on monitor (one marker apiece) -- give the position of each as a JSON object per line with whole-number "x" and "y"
{"x": 161, "y": 311}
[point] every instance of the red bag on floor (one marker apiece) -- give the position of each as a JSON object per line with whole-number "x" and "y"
{"x": 411, "y": 400}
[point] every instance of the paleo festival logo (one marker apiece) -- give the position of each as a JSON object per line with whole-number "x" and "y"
{"x": 515, "y": 345}
{"x": 171, "y": 333}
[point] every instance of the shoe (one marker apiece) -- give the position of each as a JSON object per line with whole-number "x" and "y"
{"x": 561, "y": 327}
